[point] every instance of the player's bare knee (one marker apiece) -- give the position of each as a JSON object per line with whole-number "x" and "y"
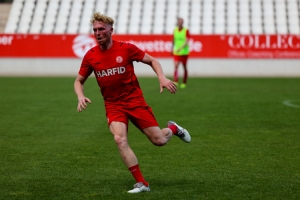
{"x": 120, "y": 141}
{"x": 159, "y": 141}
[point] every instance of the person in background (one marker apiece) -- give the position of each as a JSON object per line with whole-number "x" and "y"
{"x": 180, "y": 51}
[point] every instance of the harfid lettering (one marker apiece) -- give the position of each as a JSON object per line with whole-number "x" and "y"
{"x": 110, "y": 72}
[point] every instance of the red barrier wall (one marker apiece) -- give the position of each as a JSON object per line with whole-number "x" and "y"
{"x": 201, "y": 46}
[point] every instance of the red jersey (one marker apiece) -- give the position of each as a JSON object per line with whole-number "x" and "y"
{"x": 114, "y": 71}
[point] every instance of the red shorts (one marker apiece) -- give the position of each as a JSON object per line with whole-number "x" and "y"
{"x": 141, "y": 116}
{"x": 182, "y": 59}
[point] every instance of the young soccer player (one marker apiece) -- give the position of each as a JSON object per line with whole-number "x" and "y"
{"x": 112, "y": 64}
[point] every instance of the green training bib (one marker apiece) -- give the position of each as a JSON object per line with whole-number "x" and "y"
{"x": 179, "y": 40}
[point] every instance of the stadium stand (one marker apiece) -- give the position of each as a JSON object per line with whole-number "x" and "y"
{"x": 156, "y": 16}
{"x": 4, "y": 12}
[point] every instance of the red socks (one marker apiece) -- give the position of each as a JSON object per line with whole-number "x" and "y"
{"x": 185, "y": 76}
{"x": 136, "y": 173}
{"x": 176, "y": 76}
{"x": 173, "y": 128}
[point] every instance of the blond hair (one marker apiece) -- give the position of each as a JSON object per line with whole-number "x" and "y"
{"x": 102, "y": 18}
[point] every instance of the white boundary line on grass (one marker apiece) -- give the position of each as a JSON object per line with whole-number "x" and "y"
{"x": 289, "y": 103}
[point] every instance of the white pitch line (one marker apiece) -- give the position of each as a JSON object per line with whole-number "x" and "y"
{"x": 289, "y": 103}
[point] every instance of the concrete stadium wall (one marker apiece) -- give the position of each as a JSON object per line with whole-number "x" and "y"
{"x": 197, "y": 67}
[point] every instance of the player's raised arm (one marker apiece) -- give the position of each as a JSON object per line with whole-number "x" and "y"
{"x": 78, "y": 88}
{"x": 156, "y": 66}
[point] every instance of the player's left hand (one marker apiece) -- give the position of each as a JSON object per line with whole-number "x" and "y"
{"x": 166, "y": 83}
{"x": 82, "y": 103}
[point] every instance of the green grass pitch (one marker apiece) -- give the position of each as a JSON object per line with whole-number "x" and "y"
{"x": 245, "y": 141}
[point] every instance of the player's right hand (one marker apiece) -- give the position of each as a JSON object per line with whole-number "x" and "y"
{"x": 82, "y": 103}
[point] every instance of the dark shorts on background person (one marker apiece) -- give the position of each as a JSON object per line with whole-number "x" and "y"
{"x": 182, "y": 59}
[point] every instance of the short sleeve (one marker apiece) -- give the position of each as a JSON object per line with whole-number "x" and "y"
{"x": 85, "y": 68}
{"x": 135, "y": 53}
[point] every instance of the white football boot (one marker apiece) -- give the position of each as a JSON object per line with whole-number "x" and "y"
{"x": 182, "y": 133}
{"x": 139, "y": 187}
